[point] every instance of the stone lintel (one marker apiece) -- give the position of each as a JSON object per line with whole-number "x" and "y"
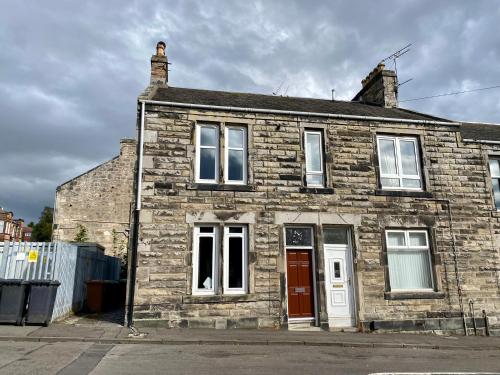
{"x": 220, "y": 217}
{"x": 317, "y": 218}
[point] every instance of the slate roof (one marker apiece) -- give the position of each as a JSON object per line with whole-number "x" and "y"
{"x": 480, "y": 132}
{"x": 284, "y": 103}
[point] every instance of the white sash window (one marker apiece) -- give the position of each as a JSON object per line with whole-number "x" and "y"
{"x": 235, "y": 259}
{"x": 235, "y": 155}
{"x": 314, "y": 159}
{"x": 205, "y": 259}
{"x": 409, "y": 260}
{"x": 495, "y": 180}
{"x": 399, "y": 163}
{"x": 207, "y": 153}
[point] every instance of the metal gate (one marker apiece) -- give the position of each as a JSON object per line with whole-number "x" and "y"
{"x": 69, "y": 264}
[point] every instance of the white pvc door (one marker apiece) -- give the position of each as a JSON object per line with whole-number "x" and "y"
{"x": 339, "y": 279}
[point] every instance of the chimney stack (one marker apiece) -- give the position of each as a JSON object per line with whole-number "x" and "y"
{"x": 159, "y": 65}
{"x": 380, "y": 87}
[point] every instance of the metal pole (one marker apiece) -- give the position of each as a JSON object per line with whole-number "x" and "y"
{"x": 486, "y": 324}
{"x": 471, "y": 310}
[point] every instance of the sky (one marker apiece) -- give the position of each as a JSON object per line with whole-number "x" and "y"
{"x": 71, "y": 71}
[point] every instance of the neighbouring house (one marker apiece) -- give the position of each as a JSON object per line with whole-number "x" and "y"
{"x": 11, "y": 229}
{"x": 27, "y": 234}
{"x": 99, "y": 201}
{"x": 274, "y": 211}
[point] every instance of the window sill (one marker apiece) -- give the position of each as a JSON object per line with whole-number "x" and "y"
{"x": 394, "y": 296}
{"x": 219, "y": 187}
{"x": 310, "y": 190}
{"x": 228, "y": 298}
{"x": 404, "y": 193}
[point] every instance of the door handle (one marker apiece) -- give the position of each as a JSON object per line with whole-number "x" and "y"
{"x": 349, "y": 280}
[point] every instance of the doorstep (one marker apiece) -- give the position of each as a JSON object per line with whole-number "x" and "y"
{"x": 304, "y": 325}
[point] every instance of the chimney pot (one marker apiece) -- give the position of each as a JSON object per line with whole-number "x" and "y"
{"x": 159, "y": 65}
{"x": 160, "y": 48}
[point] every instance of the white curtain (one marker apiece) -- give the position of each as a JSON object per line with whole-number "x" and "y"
{"x": 387, "y": 156}
{"x": 409, "y": 269}
{"x": 408, "y": 158}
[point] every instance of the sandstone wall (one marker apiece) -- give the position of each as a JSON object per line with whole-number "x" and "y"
{"x": 275, "y": 196}
{"x": 100, "y": 200}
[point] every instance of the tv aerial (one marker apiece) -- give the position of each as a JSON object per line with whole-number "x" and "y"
{"x": 395, "y": 56}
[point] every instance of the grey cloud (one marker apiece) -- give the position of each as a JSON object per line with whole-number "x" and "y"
{"x": 70, "y": 71}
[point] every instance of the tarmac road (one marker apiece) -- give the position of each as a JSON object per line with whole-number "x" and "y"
{"x": 92, "y": 358}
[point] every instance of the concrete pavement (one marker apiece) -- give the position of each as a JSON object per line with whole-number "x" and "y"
{"x": 87, "y": 329}
{"x": 91, "y": 345}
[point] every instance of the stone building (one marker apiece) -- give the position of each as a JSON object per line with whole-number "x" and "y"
{"x": 100, "y": 201}
{"x": 270, "y": 211}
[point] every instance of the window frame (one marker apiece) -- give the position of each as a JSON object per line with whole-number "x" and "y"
{"x": 347, "y": 229}
{"x": 321, "y": 155}
{"x": 298, "y": 247}
{"x": 399, "y": 168}
{"x": 225, "y": 267}
{"x": 198, "y": 154}
{"x": 244, "y": 152}
{"x": 196, "y": 258}
{"x": 427, "y": 248}
{"x": 494, "y": 177}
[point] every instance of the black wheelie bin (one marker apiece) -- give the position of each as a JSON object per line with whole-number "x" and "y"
{"x": 41, "y": 301}
{"x": 13, "y": 295}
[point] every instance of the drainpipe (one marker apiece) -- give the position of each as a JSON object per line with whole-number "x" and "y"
{"x": 135, "y": 229}
{"x": 54, "y": 216}
{"x": 455, "y": 262}
{"x": 457, "y": 274}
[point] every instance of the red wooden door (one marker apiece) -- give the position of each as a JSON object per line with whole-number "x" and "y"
{"x": 299, "y": 280}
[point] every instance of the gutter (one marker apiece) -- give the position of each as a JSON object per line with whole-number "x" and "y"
{"x": 135, "y": 230}
{"x": 296, "y": 113}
